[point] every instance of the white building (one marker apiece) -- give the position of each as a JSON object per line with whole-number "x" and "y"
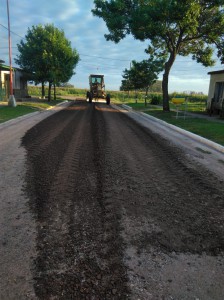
{"x": 216, "y": 92}
{"x": 19, "y": 83}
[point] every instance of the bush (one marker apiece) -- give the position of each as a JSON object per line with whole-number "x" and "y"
{"x": 156, "y": 99}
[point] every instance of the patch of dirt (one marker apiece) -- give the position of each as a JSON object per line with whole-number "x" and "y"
{"x": 120, "y": 213}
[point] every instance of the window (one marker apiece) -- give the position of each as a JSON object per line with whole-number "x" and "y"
{"x": 96, "y": 80}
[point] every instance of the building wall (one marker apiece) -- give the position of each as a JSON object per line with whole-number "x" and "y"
{"x": 4, "y": 86}
{"x": 2, "y": 77}
{"x": 19, "y": 84}
{"x": 213, "y": 79}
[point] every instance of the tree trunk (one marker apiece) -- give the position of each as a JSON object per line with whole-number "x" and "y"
{"x": 49, "y": 91}
{"x": 54, "y": 91}
{"x": 168, "y": 65}
{"x": 42, "y": 90}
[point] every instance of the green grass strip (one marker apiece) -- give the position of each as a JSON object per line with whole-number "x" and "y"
{"x": 7, "y": 113}
{"x": 209, "y": 129}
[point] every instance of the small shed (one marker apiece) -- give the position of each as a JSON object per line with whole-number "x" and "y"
{"x": 215, "y": 101}
{"x": 20, "y": 79}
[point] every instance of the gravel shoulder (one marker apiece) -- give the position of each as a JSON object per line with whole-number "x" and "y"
{"x": 203, "y": 152}
{"x": 18, "y": 228}
{"x": 98, "y": 207}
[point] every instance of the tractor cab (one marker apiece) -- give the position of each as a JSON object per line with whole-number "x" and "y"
{"x": 97, "y": 86}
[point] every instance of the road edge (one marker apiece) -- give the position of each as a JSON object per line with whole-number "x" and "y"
{"x": 189, "y": 134}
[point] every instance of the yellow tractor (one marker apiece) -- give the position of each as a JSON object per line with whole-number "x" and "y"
{"x": 97, "y": 89}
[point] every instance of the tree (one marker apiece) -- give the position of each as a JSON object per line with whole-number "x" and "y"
{"x": 183, "y": 27}
{"x": 126, "y": 83}
{"x": 48, "y": 55}
{"x": 143, "y": 74}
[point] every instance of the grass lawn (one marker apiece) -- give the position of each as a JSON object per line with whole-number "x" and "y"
{"x": 209, "y": 129}
{"x": 23, "y": 108}
{"x": 196, "y": 107}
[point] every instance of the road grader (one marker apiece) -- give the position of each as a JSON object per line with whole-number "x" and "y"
{"x": 97, "y": 89}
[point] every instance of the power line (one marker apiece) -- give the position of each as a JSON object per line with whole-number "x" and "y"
{"x": 101, "y": 66}
{"x": 105, "y": 57}
{"x": 6, "y": 47}
{"x": 94, "y": 56}
{"x": 12, "y": 31}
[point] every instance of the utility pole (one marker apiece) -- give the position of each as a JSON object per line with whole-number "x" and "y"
{"x": 12, "y": 101}
{"x": 129, "y": 82}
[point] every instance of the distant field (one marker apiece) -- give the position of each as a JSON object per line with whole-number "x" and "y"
{"x": 36, "y": 91}
{"x": 121, "y": 96}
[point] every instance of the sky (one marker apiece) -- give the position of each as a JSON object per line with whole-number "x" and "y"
{"x": 86, "y": 33}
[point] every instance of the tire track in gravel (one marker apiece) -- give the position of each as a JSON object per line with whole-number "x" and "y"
{"x": 101, "y": 186}
{"x": 79, "y": 250}
{"x": 187, "y": 204}
{"x": 171, "y": 216}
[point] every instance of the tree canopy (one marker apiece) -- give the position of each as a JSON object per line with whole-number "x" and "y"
{"x": 142, "y": 74}
{"x": 47, "y": 54}
{"x": 183, "y": 27}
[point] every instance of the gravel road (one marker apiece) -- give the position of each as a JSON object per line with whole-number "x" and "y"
{"x": 97, "y": 207}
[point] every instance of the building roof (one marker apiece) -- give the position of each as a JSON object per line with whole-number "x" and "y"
{"x": 4, "y": 68}
{"x": 96, "y": 75}
{"x": 7, "y": 68}
{"x": 216, "y": 72}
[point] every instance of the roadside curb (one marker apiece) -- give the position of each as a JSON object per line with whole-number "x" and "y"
{"x": 27, "y": 116}
{"x": 189, "y": 134}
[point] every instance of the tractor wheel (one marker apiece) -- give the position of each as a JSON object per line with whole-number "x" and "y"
{"x": 108, "y": 99}
{"x": 90, "y": 97}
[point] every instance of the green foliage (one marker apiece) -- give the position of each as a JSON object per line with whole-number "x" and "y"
{"x": 23, "y": 108}
{"x": 142, "y": 74}
{"x": 156, "y": 99}
{"x": 172, "y": 27}
{"x": 7, "y": 113}
{"x": 156, "y": 87}
{"x": 220, "y": 47}
{"x": 47, "y": 55}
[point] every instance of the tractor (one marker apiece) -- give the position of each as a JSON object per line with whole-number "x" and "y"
{"x": 97, "y": 89}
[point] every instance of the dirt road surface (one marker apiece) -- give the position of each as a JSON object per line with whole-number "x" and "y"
{"x": 96, "y": 207}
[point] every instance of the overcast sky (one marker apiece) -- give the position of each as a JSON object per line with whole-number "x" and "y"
{"x": 86, "y": 34}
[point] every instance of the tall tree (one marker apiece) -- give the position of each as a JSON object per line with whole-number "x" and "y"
{"x": 48, "y": 55}
{"x": 183, "y": 27}
{"x": 126, "y": 83}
